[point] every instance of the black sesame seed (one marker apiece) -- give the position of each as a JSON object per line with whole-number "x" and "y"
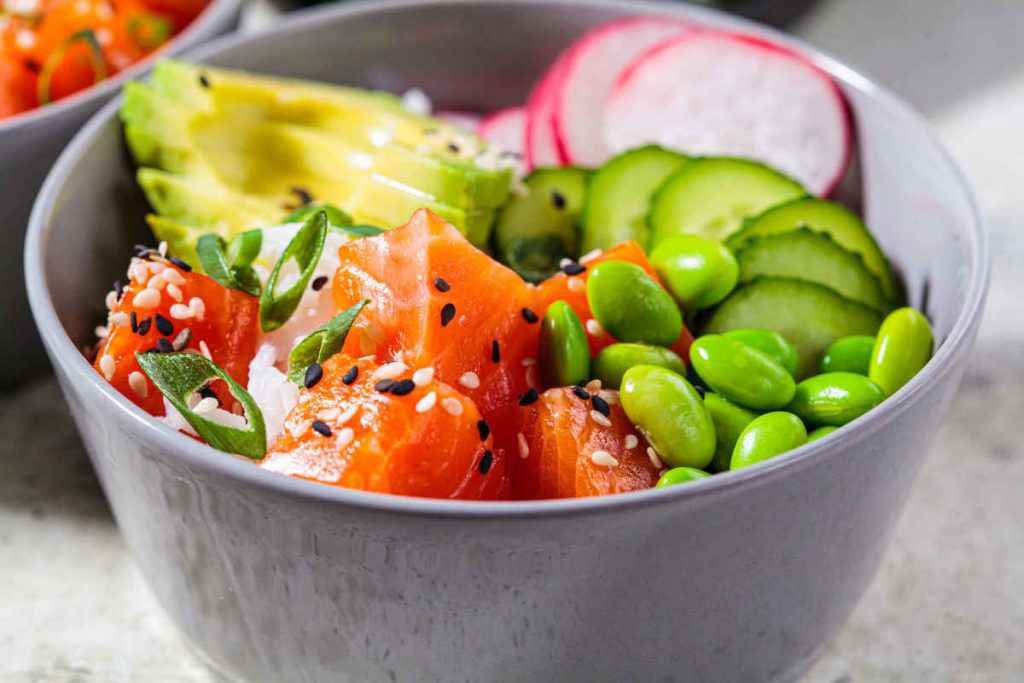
{"x": 181, "y": 264}
{"x": 140, "y": 250}
{"x": 453, "y": 148}
{"x": 321, "y": 428}
{"x": 581, "y": 393}
{"x": 573, "y": 268}
{"x": 351, "y": 375}
{"x": 33, "y": 66}
{"x": 314, "y": 373}
{"x": 495, "y": 351}
{"x": 164, "y": 346}
{"x": 486, "y": 462}
{"x": 484, "y": 429}
{"x": 164, "y": 326}
{"x": 447, "y": 313}
{"x": 511, "y": 155}
{"x": 134, "y": 318}
{"x": 530, "y": 316}
{"x": 206, "y": 392}
{"x": 319, "y": 283}
{"x": 601, "y": 405}
{"x": 403, "y": 387}
{"x": 557, "y": 199}
{"x": 204, "y": 80}
{"x": 384, "y": 386}
{"x": 529, "y": 397}
{"x": 441, "y": 284}
{"x": 144, "y": 326}
{"x": 305, "y": 198}
{"x": 119, "y": 289}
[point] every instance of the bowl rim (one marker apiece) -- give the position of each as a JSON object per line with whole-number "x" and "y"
{"x": 198, "y": 456}
{"x": 213, "y": 17}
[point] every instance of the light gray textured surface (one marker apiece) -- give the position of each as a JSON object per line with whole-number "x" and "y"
{"x": 946, "y": 605}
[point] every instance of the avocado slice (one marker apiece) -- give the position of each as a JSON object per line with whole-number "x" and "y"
{"x": 223, "y": 151}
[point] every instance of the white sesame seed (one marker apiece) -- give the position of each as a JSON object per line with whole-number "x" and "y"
{"x": 206, "y": 405}
{"x": 600, "y": 419}
{"x": 427, "y": 402}
{"x": 101, "y": 332}
{"x": 610, "y": 397}
{"x": 180, "y": 312}
{"x": 157, "y": 282}
{"x": 594, "y": 328}
{"x": 198, "y": 307}
{"x": 146, "y": 299}
{"x": 25, "y": 39}
{"x": 564, "y": 262}
{"x": 156, "y": 267}
{"x": 173, "y": 290}
{"x": 593, "y": 386}
{"x": 205, "y": 350}
{"x": 162, "y": 248}
{"x": 346, "y": 416}
{"x": 470, "y": 380}
{"x": 527, "y": 362}
{"x": 603, "y": 459}
{"x": 345, "y": 437}
{"x": 111, "y": 299}
{"x": 118, "y": 319}
{"x": 575, "y": 284}
{"x": 423, "y": 377}
{"x": 531, "y": 377}
{"x": 390, "y": 370}
{"x": 590, "y": 256}
{"x": 452, "y": 406}
{"x": 655, "y": 460}
{"x": 631, "y": 441}
{"x": 137, "y": 381}
{"x": 524, "y": 447}
{"x": 174, "y": 277}
{"x": 107, "y": 366}
{"x": 138, "y": 271}
{"x": 104, "y": 36}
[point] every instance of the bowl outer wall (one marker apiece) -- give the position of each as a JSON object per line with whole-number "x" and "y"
{"x": 29, "y": 144}
{"x": 273, "y": 578}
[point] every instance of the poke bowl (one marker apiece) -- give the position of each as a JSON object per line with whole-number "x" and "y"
{"x": 31, "y": 140}
{"x": 743, "y": 575}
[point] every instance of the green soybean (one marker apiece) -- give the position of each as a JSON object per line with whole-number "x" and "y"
{"x": 835, "y": 398}
{"x": 849, "y": 354}
{"x": 680, "y": 475}
{"x": 613, "y": 361}
{"x": 631, "y": 305}
{"x": 730, "y": 421}
{"x": 564, "y": 354}
{"x": 820, "y": 432}
{"x": 699, "y": 272}
{"x": 902, "y": 347}
{"x": 770, "y": 343}
{"x": 670, "y": 413}
{"x": 769, "y": 435}
{"x": 741, "y": 373}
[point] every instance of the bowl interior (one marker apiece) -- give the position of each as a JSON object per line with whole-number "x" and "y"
{"x": 480, "y": 56}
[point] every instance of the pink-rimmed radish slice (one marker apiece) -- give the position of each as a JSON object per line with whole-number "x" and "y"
{"x": 466, "y": 120}
{"x": 505, "y": 129}
{"x": 712, "y": 93}
{"x": 541, "y": 143}
{"x": 592, "y": 66}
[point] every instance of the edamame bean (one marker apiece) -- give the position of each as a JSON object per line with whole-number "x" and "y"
{"x": 770, "y": 343}
{"x": 902, "y": 347}
{"x": 730, "y": 420}
{"x": 613, "y": 361}
{"x": 769, "y": 435}
{"x": 849, "y": 354}
{"x": 680, "y": 475}
{"x": 699, "y": 272}
{"x": 631, "y": 306}
{"x": 563, "y": 354}
{"x": 820, "y": 433}
{"x": 741, "y": 373}
{"x": 835, "y": 398}
{"x": 670, "y": 413}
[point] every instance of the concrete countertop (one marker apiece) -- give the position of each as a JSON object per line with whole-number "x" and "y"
{"x": 947, "y": 604}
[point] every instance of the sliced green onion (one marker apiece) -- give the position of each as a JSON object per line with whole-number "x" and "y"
{"x": 323, "y": 343}
{"x": 179, "y": 375}
{"x": 149, "y": 31}
{"x": 335, "y": 216}
{"x": 230, "y": 265}
{"x": 99, "y": 63}
{"x": 305, "y": 248}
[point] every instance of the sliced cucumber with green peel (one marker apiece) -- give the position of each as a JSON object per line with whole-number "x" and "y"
{"x": 712, "y": 196}
{"x": 838, "y": 222}
{"x": 538, "y": 229}
{"x": 620, "y": 196}
{"x": 808, "y": 315}
{"x": 813, "y": 256}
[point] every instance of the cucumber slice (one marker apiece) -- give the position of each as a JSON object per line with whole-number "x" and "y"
{"x": 809, "y": 315}
{"x": 711, "y": 196}
{"x": 620, "y": 196}
{"x": 538, "y": 229}
{"x": 813, "y": 256}
{"x": 838, "y": 222}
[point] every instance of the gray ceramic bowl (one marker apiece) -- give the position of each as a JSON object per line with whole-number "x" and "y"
{"x": 741, "y": 577}
{"x": 29, "y": 144}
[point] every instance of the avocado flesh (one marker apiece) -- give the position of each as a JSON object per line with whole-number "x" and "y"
{"x": 231, "y": 156}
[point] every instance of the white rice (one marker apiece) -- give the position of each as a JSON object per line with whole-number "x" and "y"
{"x": 273, "y": 392}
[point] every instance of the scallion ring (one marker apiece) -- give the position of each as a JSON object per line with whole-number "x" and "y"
{"x": 305, "y": 249}
{"x": 53, "y": 61}
{"x": 149, "y": 31}
{"x": 323, "y": 343}
{"x": 230, "y": 266}
{"x": 179, "y": 375}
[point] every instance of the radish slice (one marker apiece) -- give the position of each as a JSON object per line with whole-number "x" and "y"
{"x": 541, "y": 143}
{"x": 463, "y": 119}
{"x": 592, "y": 66}
{"x": 506, "y": 129}
{"x": 725, "y": 94}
